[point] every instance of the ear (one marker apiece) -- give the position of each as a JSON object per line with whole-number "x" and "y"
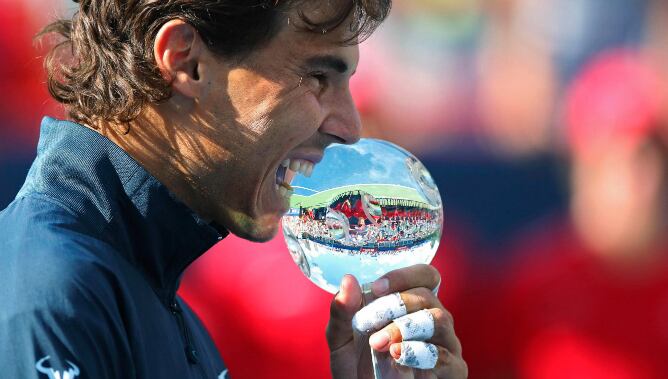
{"x": 177, "y": 50}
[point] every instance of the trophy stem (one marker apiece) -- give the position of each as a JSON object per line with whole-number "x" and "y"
{"x": 383, "y": 364}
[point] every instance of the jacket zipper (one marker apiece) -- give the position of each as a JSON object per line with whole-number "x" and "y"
{"x": 191, "y": 352}
{"x": 175, "y": 308}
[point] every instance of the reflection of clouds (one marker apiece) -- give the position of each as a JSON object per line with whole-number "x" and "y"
{"x": 328, "y": 265}
{"x": 393, "y": 259}
{"x": 378, "y": 173}
{"x": 318, "y": 277}
{"x": 361, "y": 147}
{"x": 366, "y": 261}
{"x": 368, "y": 161}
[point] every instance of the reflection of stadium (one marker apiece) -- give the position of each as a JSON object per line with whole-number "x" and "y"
{"x": 357, "y": 221}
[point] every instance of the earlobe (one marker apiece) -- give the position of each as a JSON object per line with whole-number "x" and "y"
{"x": 176, "y": 50}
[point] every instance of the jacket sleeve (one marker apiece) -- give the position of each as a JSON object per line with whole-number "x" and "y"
{"x": 60, "y": 320}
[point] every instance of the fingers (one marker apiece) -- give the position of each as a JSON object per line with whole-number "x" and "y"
{"x": 417, "y": 326}
{"x": 379, "y": 313}
{"x": 425, "y": 356}
{"x": 415, "y": 276}
{"x": 443, "y": 331}
{"x": 383, "y": 310}
{"x": 346, "y": 302}
{"x": 415, "y": 354}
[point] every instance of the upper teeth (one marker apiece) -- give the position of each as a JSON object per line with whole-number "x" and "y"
{"x": 299, "y": 165}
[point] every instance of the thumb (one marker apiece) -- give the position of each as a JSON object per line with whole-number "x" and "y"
{"x": 344, "y": 306}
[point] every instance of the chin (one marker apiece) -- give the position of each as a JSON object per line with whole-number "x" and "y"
{"x": 262, "y": 235}
{"x": 260, "y": 229}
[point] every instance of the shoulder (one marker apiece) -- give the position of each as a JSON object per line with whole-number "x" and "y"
{"x": 59, "y": 289}
{"x": 39, "y": 222}
{"x": 59, "y": 298}
{"x": 47, "y": 259}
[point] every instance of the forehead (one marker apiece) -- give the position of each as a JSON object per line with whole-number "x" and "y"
{"x": 297, "y": 37}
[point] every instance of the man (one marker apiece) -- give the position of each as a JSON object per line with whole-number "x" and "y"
{"x": 190, "y": 118}
{"x": 577, "y": 279}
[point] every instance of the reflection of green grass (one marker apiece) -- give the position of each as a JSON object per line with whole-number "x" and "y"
{"x": 377, "y": 190}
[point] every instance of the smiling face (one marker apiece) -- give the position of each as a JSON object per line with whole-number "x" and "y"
{"x": 280, "y": 106}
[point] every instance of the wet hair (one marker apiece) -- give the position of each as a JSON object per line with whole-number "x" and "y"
{"x": 103, "y": 68}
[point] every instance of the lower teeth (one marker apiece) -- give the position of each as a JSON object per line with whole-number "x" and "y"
{"x": 285, "y": 192}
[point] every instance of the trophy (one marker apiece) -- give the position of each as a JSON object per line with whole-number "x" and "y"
{"x": 367, "y": 209}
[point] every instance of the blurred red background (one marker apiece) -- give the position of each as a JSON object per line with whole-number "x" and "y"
{"x": 553, "y": 255}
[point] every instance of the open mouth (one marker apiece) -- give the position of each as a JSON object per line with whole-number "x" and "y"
{"x": 286, "y": 172}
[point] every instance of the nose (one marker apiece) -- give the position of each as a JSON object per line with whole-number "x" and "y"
{"x": 343, "y": 120}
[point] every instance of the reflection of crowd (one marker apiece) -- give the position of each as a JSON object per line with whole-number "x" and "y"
{"x": 300, "y": 226}
{"x": 384, "y": 234}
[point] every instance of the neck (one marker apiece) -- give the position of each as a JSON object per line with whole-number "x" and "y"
{"x": 156, "y": 144}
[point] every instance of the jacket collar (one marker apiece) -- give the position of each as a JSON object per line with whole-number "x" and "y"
{"x": 119, "y": 202}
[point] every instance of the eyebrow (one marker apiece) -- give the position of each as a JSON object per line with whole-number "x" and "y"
{"x": 331, "y": 62}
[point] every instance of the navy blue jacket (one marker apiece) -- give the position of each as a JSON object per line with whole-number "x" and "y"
{"x": 91, "y": 252}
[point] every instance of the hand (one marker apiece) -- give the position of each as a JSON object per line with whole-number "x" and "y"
{"x": 350, "y": 359}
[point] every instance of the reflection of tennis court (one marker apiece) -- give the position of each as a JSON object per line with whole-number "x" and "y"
{"x": 324, "y": 198}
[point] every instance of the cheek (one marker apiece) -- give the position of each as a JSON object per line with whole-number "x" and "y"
{"x": 307, "y": 114}
{"x": 294, "y": 122}
{"x": 252, "y": 98}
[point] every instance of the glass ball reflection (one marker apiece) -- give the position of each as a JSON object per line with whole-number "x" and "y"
{"x": 367, "y": 209}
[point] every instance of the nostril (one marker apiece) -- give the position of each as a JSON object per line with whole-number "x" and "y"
{"x": 339, "y": 139}
{"x": 332, "y": 138}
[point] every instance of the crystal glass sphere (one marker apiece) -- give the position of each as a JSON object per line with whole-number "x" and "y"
{"x": 367, "y": 209}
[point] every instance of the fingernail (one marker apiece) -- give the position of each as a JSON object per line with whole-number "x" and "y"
{"x": 341, "y": 284}
{"x": 381, "y": 287}
{"x": 395, "y": 350}
{"x": 379, "y": 340}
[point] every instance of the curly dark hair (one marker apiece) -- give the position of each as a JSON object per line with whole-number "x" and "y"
{"x": 103, "y": 67}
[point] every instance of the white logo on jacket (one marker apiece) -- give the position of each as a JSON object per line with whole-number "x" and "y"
{"x": 71, "y": 372}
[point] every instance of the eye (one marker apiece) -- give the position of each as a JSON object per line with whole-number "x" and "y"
{"x": 321, "y": 77}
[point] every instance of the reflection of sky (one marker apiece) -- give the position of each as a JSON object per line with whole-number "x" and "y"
{"x": 328, "y": 266}
{"x": 369, "y": 161}
{"x": 318, "y": 277}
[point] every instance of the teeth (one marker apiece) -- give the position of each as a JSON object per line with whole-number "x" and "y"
{"x": 284, "y": 191}
{"x": 295, "y": 165}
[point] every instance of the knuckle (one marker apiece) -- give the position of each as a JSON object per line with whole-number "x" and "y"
{"x": 443, "y": 317}
{"x": 444, "y": 358}
{"x": 435, "y": 275}
{"x": 423, "y": 297}
{"x": 438, "y": 314}
{"x": 450, "y": 321}
{"x": 422, "y": 292}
